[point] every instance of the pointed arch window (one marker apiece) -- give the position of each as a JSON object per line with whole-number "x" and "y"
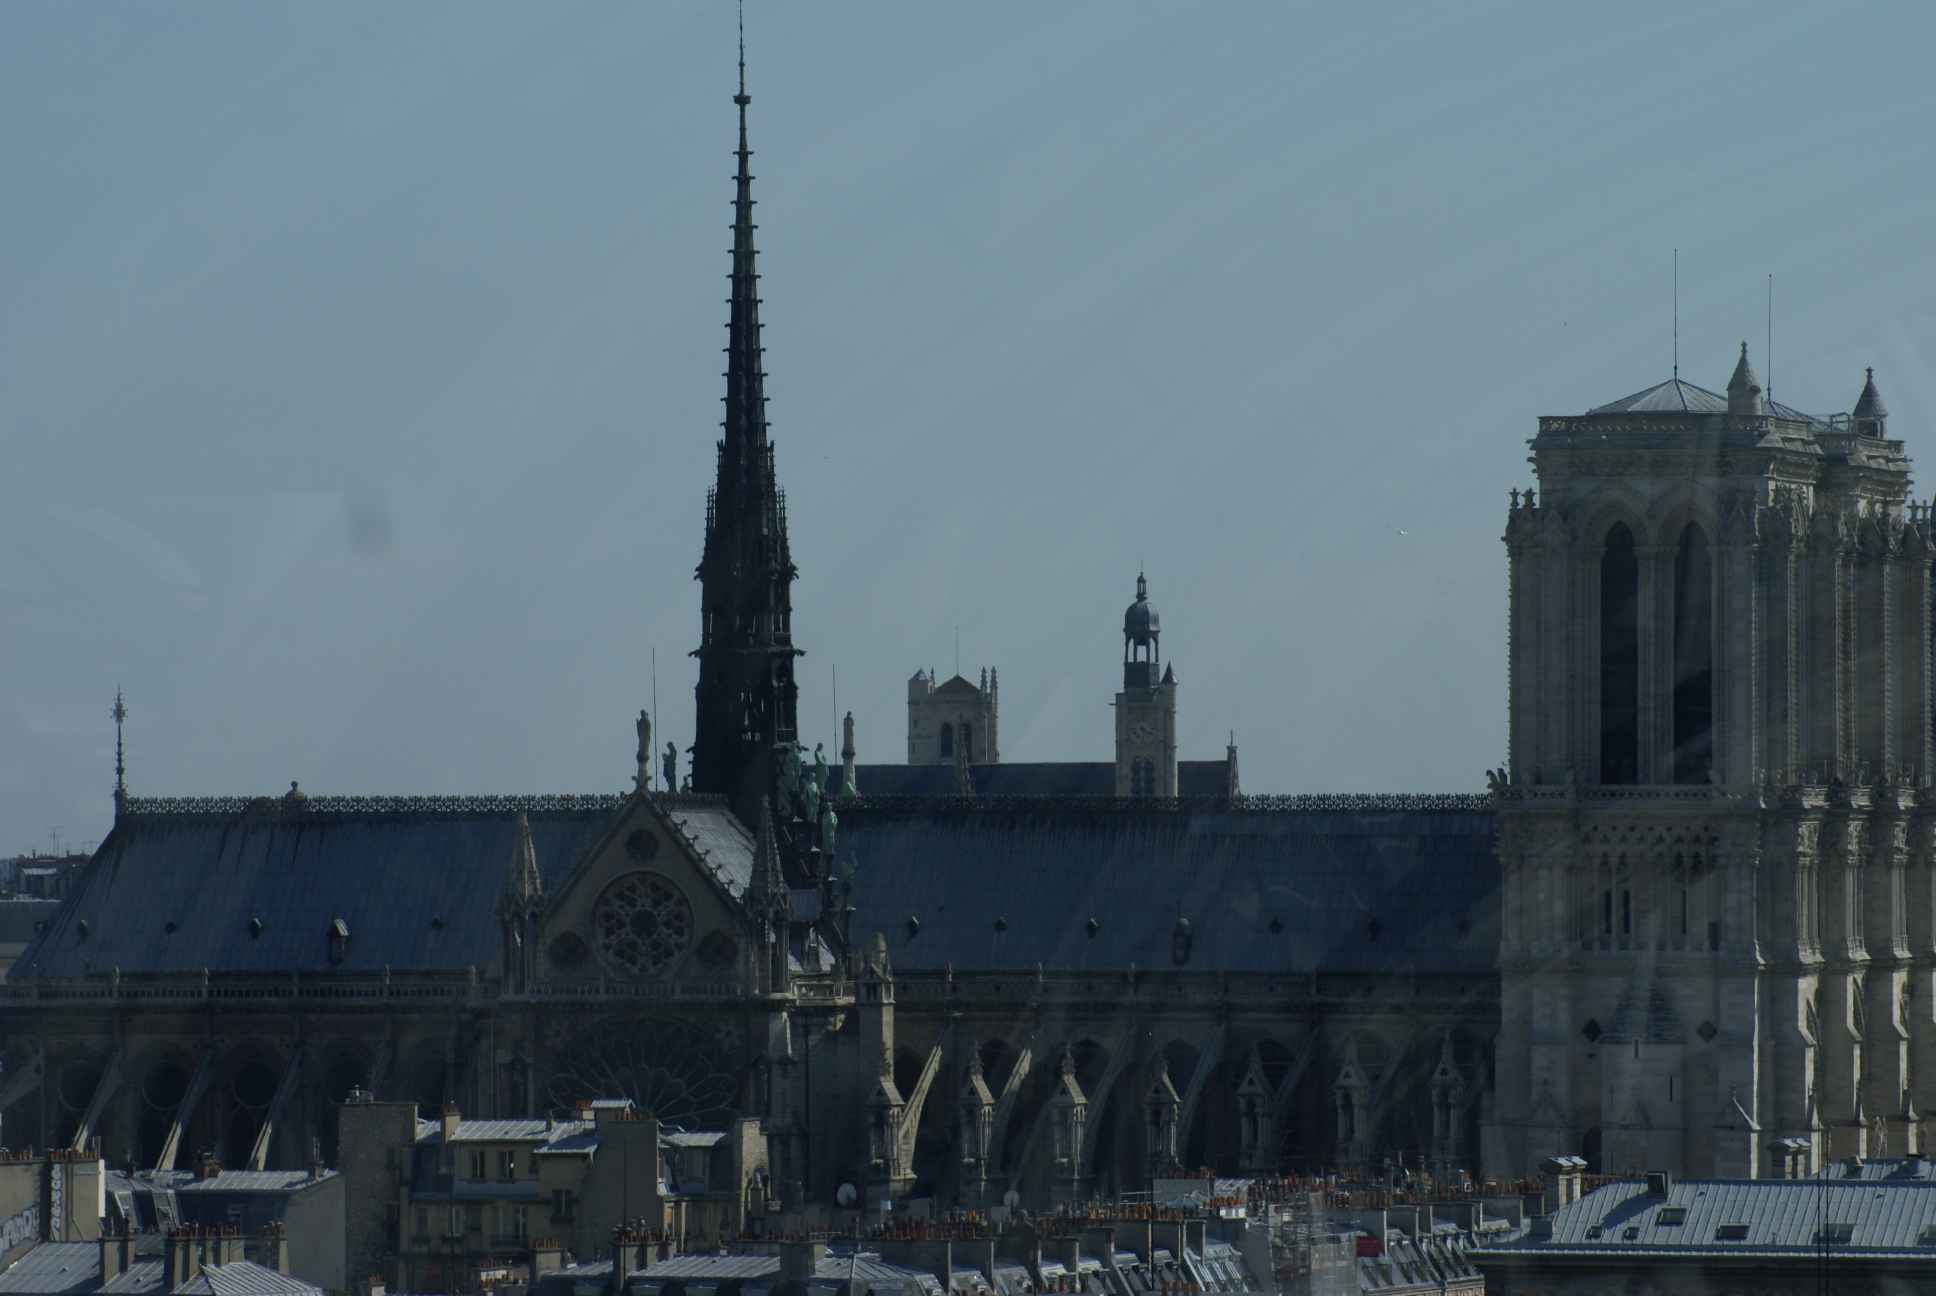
{"x": 947, "y": 740}
{"x": 1619, "y": 658}
{"x": 1693, "y": 658}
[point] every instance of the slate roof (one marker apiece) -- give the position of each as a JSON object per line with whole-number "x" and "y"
{"x": 245, "y": 1278}
{"x": 835, "y": 1267}
{"x": 1678, "y": 396}
{"x": 1195, "y": 778}
{"x": 251, "y": 1181}
{"x": 55, "y": 1267}
{"x": 19, "y": 917}
{"x": 415, "y": 880}
{"x": 1779, "y": 1217}
{"x": 1350, "y": 890}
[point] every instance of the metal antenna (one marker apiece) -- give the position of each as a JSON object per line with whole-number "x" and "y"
{"x": 649, "y": 756}
{"x": 742, "y": 48}
{"x": 1771, "y": 337}
{"x": 836, "y": 674}
{"x": 1677, "y": 313}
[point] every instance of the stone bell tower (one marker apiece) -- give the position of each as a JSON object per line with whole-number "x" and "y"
{"x": 1715, "y": 852}
{"x": 1146, "y": 708}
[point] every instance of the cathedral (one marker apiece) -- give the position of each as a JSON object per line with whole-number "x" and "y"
{"x": 1693, "y": 916}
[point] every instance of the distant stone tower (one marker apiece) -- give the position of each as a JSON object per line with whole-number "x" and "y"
{"x": 1146, "y": 708}
{"x": 1714, "y": 833}
{"x": 955, "y": 718}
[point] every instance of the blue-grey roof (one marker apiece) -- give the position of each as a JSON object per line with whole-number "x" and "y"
{"x": 1393, "y": 885}
{"x": 416, "y": 880}
{"x": 1771, "y": 1216}
{"x": 55, "y": 1267}
{"x": 1677, "y": 396}
{"x": 1194, "y": 778}
{"x": 19, "y": 917}
{"x": 834, "y": 1267}
{"x": 252, "y": 1181}
{"x": 245, "y": 1278}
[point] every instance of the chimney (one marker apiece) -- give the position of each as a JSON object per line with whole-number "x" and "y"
{"x": 181, "y": 1255}
{"x": 274, "y": 1247}
{"x": 800, "y": 1261}
{"x": 547, "y": 1256}
{"x": 628, "y": 1256}
{"x": 373, "y": 1286}
{"x": 117, "y": 1250}
{"x": 208, "y": 1167}
{"x": 450, "y": 1121}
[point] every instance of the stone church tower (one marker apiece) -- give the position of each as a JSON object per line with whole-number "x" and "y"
{"x": 1146, "y": 708}
{"x": 1713, "y": 830}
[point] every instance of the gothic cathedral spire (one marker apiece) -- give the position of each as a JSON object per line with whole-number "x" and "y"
{"x": 746, "y": 695}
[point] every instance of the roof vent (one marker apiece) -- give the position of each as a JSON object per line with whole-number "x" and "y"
{"x": 255, "y": 927}
{"x": 80, "y": 928}
{"x": 1001, "y": 924}
{"x": 1094, "y": 926}
{"x": 170, "y": 927}
{"x": 913, "y": 926}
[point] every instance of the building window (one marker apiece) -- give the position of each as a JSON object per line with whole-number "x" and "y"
{"x": 947, "y": 740}
{"x": 1626, "y": 913}
{"x": 474, "y": 1218}
{"x": 423, "y": 1221}
{"x": 477, "y": 1163}
{"x": 1142, "y": 777}
{"x": 507, "y": 1164}
{"x": 1606, "y": 913}
{"x": 1693, "y": 658}
{"x": 1619, "y": 658}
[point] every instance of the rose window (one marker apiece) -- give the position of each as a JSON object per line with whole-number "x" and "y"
{"x": 641, "y": 924}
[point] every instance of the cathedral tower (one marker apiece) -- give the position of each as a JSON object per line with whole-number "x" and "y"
{"x": 747, "y": 696}
{"x": 1146, "y": 708}
{"x": 1714, "y": 846}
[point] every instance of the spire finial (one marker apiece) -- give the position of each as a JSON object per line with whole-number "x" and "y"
{"x": 120, "y": 714}
{"x": 742, "y": 99}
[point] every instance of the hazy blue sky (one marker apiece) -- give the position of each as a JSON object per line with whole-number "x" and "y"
{"x": 360, "y": 370}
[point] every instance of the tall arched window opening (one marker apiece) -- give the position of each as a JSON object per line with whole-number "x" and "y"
{"x": 947, "y": 740}
{"x": 1619, "y": 658}
{"x": 1693, "y": 658}
{"x": 968, "y": 740}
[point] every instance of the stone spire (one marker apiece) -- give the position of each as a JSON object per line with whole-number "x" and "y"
{"x": 1232, "y": 786}
{"x": 1871, "y": 415}
{"x": 747, "y": 697}
{"x": 523, "y": 886}
{"x": 1744, "y": 389}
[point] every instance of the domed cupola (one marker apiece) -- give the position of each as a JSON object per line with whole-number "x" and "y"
{"x": 1142, "y": 631}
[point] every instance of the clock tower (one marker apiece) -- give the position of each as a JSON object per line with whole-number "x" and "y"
{"x": 1146, "y": 707}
